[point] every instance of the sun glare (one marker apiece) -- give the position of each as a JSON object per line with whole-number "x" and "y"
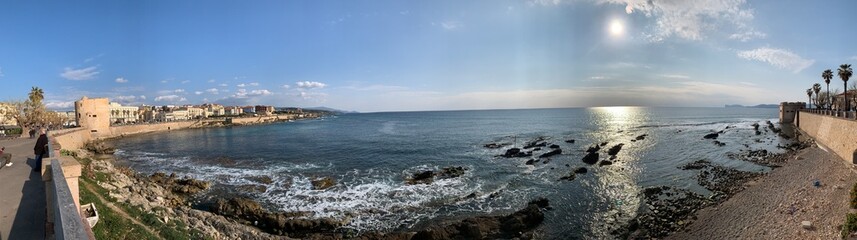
{"x": 616, "y": 27}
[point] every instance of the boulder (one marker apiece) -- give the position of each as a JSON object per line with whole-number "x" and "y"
{"x": 711, "y": 136}
{"x": 551, "y": 153}
{"x": 569, "y": 177}
{"x": 603, "y": 144}
{"x": 515, "y": 153}
{"x": 569, "y": 141}
{"x": 261, "y": 179}
{"x": 604, "y": 163}
{"x": 530, "y": 162}
{"x": 641, "y": 137}
{"x": 615, "y": 149}
{"x": 490, "y": 227}
{"x": 590, "y": 158}
{"x": 593, "y": 149}
{"x": 581, "y": 170}
{"x": 495, "y": 145}
{"x": 452, "y": 172}
{"x": 322, "y": 183}
{"x": 554, "y": 146}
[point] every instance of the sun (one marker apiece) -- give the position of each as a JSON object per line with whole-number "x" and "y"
{"x": 616, "y": 27}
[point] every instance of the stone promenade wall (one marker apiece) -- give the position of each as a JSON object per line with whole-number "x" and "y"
{"x": 836, "y": 134}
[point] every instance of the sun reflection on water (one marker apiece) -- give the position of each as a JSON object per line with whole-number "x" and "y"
{"x": 616, "y": 186}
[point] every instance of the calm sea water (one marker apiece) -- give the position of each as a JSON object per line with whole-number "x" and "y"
{"x": 370, "y": 155}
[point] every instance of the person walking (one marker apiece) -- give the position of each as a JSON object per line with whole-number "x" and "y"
{"x": 7, "y": 156}
{"x": 40, "y": 149}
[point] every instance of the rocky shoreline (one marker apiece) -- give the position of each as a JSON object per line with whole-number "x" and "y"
{"x": 174, "y": 198}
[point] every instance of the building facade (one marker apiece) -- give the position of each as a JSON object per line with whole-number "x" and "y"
{"x": 123, "y": 114}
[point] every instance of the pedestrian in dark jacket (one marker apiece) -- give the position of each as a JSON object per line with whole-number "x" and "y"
{"x": 40, "y": 149}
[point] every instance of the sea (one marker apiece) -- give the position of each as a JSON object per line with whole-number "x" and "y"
{"x": 370, "y": 156}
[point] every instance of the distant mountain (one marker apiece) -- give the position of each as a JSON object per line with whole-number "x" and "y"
{"x": 757, "y": 106}
{"x": 329, "y": 109}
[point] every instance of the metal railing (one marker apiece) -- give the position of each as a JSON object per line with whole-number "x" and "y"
{"x": 851, "y": 115}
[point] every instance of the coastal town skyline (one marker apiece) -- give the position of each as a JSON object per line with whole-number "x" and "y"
{"x": 394, "y": 56}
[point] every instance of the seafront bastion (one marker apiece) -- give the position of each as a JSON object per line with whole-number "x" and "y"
{"x": 832, "y": 130}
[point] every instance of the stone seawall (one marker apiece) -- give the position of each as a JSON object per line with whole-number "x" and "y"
{"x": 72, "y": 139}
{"x": 836, "y": 134}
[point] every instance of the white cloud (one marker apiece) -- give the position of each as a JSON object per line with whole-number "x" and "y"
{"x": 185, "y": 81}
{"x": 170, "y": 98}
{"x": 780, "y": 58}
{"x": 143, "y": 97}
{"x": 59, "y": 104}
{"x": 121, "y": 80}
{"x": 164, "y": 81}
{"x": 674, "y": 76}
{"x": 851, "y": 58}
{"x": 598, "y": 77}
{"x": 312, "y": 95}
{"x": 254, "y": 84}
{"x": 746, "y": 36}
{"x": 243, "y": 93}
{"x": 79, "y": 74}
{"x": 124, "y": 99}
{"x": 286, "y": 86}
{"x": 179, "y": 90}
{"x": 451, "y": 25}
{"x": 198, "y": 92}
{"x": 310, "y": 85}
{"x": 748, "y": 83}
{"x": 223, "y": 85}
{"x": 210, "y": 80}
{"x": 212, "y": 91}
{"x": 687, "y": 19}
{"x": 241, "y": 85}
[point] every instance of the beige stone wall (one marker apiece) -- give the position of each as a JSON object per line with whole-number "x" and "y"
{"x": 72, "y": 140}
{"x": 147, "y": 128}
{"x": 834, "y": 133}
{"x": 93, "y": 114}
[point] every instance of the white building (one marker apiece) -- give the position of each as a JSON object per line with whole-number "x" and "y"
{"x": 123, "y": 114}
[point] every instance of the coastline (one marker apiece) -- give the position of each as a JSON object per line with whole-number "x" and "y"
{"x": 774, "y": 205}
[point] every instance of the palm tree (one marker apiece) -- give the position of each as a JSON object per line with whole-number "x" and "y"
{"x": 809, "y": 96}
{"x": 36, "y": 95}
{"x": 816, "y": 88}
{"x": 827, "y": 75}
{"x": 844, "y": 74}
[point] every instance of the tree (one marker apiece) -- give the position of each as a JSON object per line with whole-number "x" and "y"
{"x": 32, "y": 113}
{"x": 809, "y": 95}
{"x": 36, "y": 95}
{"x": 816, "y": 88}
{"x": 827, "y": 75}
{"x": 844, "y": 74}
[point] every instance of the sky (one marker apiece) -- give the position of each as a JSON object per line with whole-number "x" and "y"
{"x": 372, "y": 56}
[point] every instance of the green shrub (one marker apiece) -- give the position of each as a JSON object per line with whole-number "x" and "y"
{"x": 854, "y": 196}
{"x": 850, "y": 225}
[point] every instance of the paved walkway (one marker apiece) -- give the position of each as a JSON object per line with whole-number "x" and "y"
{"x": 22, "y": 193}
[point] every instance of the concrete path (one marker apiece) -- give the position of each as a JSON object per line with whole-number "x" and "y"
{"x": 22, "y": 193}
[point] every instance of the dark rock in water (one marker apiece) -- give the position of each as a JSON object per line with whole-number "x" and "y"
{"x": 615, "y": 149}
{"x": 537, "y": 149}
{"x": 291, "y": 224}
{"x": 612, "y": 157}
{"x": 471, "y": 195}
{"x": 590, "y": 158}
{"x": 593, "y": 149}
{"x": 495, "y": 145}
{"x": 516, "y": 153}
{"x": 452, "y": 172}
{"x": 99, "y": 147}
{"x": 758, "y": 133}
{"x": 718, "y": 143}
{"x": 554, "y": 146}
{"x": 538, "y": 142}
{"x": 711, "y": 136}
{"x": 424, "y": 177}
{"x": 756, "y": 126}
{"x": 530, "y": 162}
{"x": 569, "y": 141}
{"x": 551, "y": 153}
{"x": 667, "y": 210}
{"x": 569, "y": 177}
{"x": 323, "y": 183}
{"x": 581, "y": 170}
{"x": 189, "y": 186}
{"x": 602, "y": 144}
{"x": 541, "y": 202}
{"x": 511, "y": 226}
{"x": 698, "y": 164}
{"x": 641, "y": 137}
{"x": 604, "y": 163}
{"x": 546, "y": 161}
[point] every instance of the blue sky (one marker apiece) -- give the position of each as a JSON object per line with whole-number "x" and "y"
{"x": 424, "y": 55}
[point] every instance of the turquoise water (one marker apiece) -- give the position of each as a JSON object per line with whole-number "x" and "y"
{"x": 371, "y": 154}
